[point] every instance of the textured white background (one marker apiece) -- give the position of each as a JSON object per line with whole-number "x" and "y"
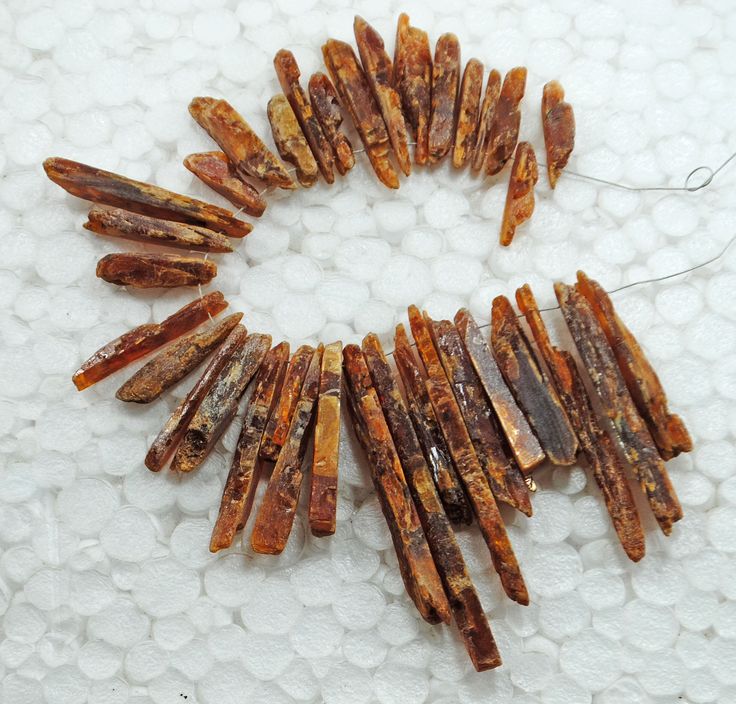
{"x": 108, "y": 591}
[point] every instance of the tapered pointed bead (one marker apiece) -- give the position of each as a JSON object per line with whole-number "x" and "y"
{"x": 245, "y": 470}
{"x": 146, "y": 338}
{"x": 243, "y": 147}
{"x": 558, "y": 125}
{"x": 379, "y": 72}
{"x": 357, "y": 99}
{"x": 412, "y": 76}
{"x": 108, "y": 188}
{"x": 155, "y": 270}
{"x": 215, "y": 170}
{"x": 290, "y": 141}
{"x": 288, "y": 73}
{"x": 326, "y": 106}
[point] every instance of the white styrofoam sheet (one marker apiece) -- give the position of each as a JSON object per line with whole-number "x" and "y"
{"x": 107, "y": 590}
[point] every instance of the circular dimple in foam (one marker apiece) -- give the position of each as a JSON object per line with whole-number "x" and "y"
{"x": 229, "y": 582}
{"x": 165, "y": 587}
{"x": 591, "y": 660}
{"x": 315, "y": 582}
{"x": 552, "y": 519}
{"x": 359, "y": 606}
{"x": 272, "y": 608}
{"x": 553, "y": 570}
{"x": 316, "y": 634}
{"x": 129, "y": 535}
{"x": 346, "y": 683}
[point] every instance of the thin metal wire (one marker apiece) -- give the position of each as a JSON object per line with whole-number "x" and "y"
{"x": 642, "y": 282}
{"x": 686, "y": 188}
{"x": 639, "y": 189}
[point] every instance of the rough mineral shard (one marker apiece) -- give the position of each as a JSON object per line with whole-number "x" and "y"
{"x": 290, "y": 140}
{"x": 631, "y": 432}
{"x": 485, "y": 119}
{"x": 175, "y": 362}
{"x": 531, "y": 388}
{"x": 597, "y": 446}
{"x": 416, "y": 564}
{"x": 215, "y": 170}
{"x": 171, "y": 434}
{"x": 448, "y": 559}
{"x": 412, "y": 76}
{"x": 379, "y": 72}
{"x": 429, "y": 434}
{"x": 323, "y": 486}
{"x": 275, "y": 516}
{"x": 558, "y": 125}
{"x": 356, "y": 97}
{"x": 667, "y": 429}
{"x": 245, "y": 470}
{"x": 116, "y": 222}
{"x": 467, "y": 113}
{"x": 466, "y": 461}
{"x": 243, "y": 147}
{"x": 288, "y": 73}
{"x": 506, "y": 121}
{"x": 521, "y": 439}
{"x": 445, "y": 86}
{"x": 504, "y": 477}
{"x": 323, "y": 97}
{"x": 277, "y": 427}
{"x": 108, "y": 188}
{"x": 144, "y": 339}
{"x": 520, "y": 195}
{"x": 220, "y": 403}
{"x": 155, "y": 270}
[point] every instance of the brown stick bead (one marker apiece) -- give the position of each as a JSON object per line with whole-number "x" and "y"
{"x": 220, "y": 404}
{"x": 445, "y": 84}
{"x": 468, "y": 113}
{"x": 275, "y": 517}
{"x": 631, "y": 432}
{"x": 558, "y": 125}
{"x": 415, "y": 560}
{"x": 520, "y": 194}
{"x": 485, "y": 119}
{"x": 171, "y": 434}
{"x": 523, "y": 443}
{"x": 412, "y": 76}
{"x": 107, "y": 188}
{"x": 463, "y": 599}
{"x": 288, "y": 73}
{"x": 243, "y": 147}
{"x": 140, "y": 341}
{"x": 667, "y": 429}
{"x": 290, "y": 140}
{"x": 379, "y": 72}
{"x": 323, "y": 487}
{"x": 504, "y": 477}
{"x": 533, "y": 391}
{"x": 215, "y": 170}
{"x": 323, "y": 97}
{"x": 279, "y": 421}
{"x": 116, "y": 222}
{"x": 175, "y": 362}
{"x": 242, "y": 480}
{"x": 356, "y": 97}
{"x": 605, "y": 465}
{"x": 155, "y": 270}
{"x": 506, "y": 120}
{"x": 466, "y": 461}
{"x": 429, "y": 434}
